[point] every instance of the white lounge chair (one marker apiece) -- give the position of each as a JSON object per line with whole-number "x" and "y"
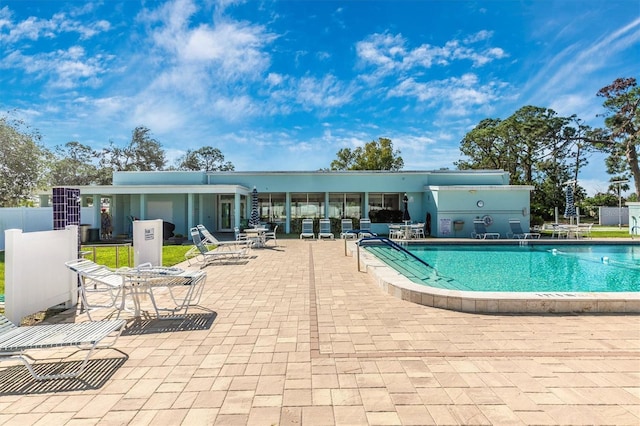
{"x": 307, "y": 229}
{"x": 347, "y": 229}
{"x": 201, "y": 252}
{"x": 365, "y": 229}
{"x": 325, "y": 229}
{"x": 96, "y": 279}
{"x": 16, "y": 342}
{"x": 517, "y": 232}
{"x": 480, "y": 231}
{"x": 210, "y": 240}
{"x": 184, "y": 287}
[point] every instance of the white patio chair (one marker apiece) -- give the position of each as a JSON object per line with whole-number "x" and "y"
{"x": 347, "y": 229}
{"x": 307, "y": 229}
{"x": 18, "y": 342}
{"x": 517, "y": 232}
{"x": 202, "y": 254}
{"x": 209, "y": 239}
{"x": 480, "y": 231}
{"x": 271, "y": 236}
{"x": 325, "y": 229}
{"x": 365, "y": 229}
{"x": 96, "y": 280}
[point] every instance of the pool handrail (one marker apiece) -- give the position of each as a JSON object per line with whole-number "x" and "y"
{"x": 394, "y": 246}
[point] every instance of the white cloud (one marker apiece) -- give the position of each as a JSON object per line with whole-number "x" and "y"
{"x": 33, "y": 28}
{"x": 62, "y": 68}
{"x": 390, "y": 52}
{"x": 456, "y": 96}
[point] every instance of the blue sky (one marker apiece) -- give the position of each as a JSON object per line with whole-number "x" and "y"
{"x": 284, "y": 85}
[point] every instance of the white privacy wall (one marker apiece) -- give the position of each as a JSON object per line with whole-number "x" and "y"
{"x": 36, "y": 277}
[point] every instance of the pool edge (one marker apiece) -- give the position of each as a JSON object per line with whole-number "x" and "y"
{"x": 397, "y": 285}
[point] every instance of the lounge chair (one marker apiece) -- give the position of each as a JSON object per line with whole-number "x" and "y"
{"x": 325, "y": 229}
{"x": 307, "y": 229}
{"x": 365, "y": 229}
{"x": 480, "y": 231}
{"x": 347, "y": 229}
{"x": 96, "y": 279}
{"x": 142, "y": 280}
{"x": 183, "y": 286}
{"x": 15, "y": 341}
{"x": 210, "y": 240}
{"x": 517, "y": 232}
{"x": 271, "y": 236}
{"x": 201, "y": 252}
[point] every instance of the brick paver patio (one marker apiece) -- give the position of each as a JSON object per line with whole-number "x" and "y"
{"x": 298, "y": 336}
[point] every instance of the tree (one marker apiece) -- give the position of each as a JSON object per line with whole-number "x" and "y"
{"x": 206, "y": 159}
{"x": 622, "y": 118}
{"x": 21, "y": 162}
{"x": 375, "y": 155}
{"x": 143, "y": 153}
{"x": 536, "y": 147}
{"x": 74, "y": 164}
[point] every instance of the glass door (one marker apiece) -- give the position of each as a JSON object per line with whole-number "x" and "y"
{"x": 226, "y": 213}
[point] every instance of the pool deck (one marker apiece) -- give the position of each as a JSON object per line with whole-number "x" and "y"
{"x": 298, "y": 336}
{"x": 402, "y": 287}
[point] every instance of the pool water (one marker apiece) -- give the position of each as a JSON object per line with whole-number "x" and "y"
{"x": 532, "y": 268}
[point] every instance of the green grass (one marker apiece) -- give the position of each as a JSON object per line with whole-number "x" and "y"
{"x": 171, "y": 255}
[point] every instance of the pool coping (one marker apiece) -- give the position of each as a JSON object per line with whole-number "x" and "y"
{"x": 397, "y": 285}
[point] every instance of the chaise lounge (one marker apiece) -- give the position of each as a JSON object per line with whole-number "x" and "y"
{"x": 15, "y": 341}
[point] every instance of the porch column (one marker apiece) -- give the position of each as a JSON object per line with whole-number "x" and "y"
{"x": 143, "y": 206}
{"x": 189, "y": 212}
{"x": 365, "y": 208}
{"x": 200, "y": 208}
{"x": 236, "y": 211}
{"x": 287, "y": 212}
{"x": 326, "y": 205}
{"x": 97, "y": 209}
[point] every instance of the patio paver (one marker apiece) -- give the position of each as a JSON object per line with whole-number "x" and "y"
{"x": 301, "y": 337}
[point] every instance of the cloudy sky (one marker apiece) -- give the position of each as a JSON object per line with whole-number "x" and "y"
{"x": 284, "y": 85}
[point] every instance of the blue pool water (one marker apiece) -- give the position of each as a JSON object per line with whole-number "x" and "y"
{"x": 533, "y": 268}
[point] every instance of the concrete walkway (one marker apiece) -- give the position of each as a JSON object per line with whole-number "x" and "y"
{"x": 298, "y": 336}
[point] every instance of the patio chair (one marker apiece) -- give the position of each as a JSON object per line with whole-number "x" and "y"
{"x": 210, "y": 240}
{"x": 517, "y": 232}
{"x": 16, "y": 342}
{"x": 583, "y": 231}
{"x": 271, "y": 236}
{"x": 347, "y": 229}
{"x": 202, "y": 254}
{"x": 480, "y": 231}
{"x": 325, "y": 229}
{"x": 307, "y": 229}
{"x": 96, "y": 279}
{"x": 365, "y": 229}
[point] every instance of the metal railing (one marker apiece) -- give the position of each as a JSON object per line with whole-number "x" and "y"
{"x": 92, "y": 251}
{"x": 391, "y": 244}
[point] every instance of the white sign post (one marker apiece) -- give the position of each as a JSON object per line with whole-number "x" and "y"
{"x": 147, "y": 242}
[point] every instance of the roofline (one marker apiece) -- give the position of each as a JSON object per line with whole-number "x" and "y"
{"x": 478, "y": 187}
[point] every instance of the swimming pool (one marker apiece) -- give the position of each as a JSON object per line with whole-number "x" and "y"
{"x": 514, "y": 278}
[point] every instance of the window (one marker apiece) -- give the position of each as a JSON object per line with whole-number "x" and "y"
{"x": 272, "y": 207}
{"x": 307, "y": 205}
{"x": 347, "y": 205}
{"x": 381, "y": 201}
{"x": 385, "y": 208}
